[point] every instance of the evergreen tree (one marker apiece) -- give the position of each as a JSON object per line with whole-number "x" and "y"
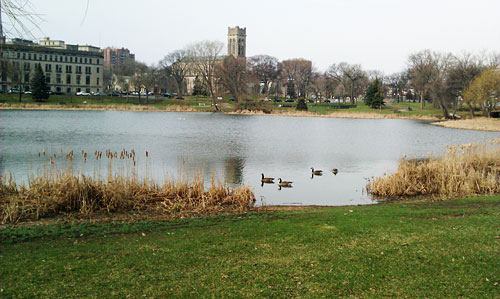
{"x": 375, "y": 95}
{"x": 301, "y": 105}
{"x": 39, "y": 87}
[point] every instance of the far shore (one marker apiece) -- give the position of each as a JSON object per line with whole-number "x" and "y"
{"x": 179, "y": 108}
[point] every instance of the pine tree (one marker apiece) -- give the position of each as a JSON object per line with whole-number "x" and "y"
{"x": 301, "y": 105}
{"x": 39, "y": 87}
{"x": 375, "y": 95}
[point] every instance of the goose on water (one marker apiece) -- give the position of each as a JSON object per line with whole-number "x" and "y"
{"x": 335, "y": 171}
{"x": 316, "y": 172}
{"x": 284, "y": 183}
{"x": 267, "y": 180}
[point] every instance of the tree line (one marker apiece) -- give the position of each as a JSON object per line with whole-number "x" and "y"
{"x": 447, "y": 81}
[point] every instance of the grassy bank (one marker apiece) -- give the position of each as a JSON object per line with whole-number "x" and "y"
{"x": 418, "y": 249}
{"x": 472, "y": 169}
{"x": 481, "y": 124}
{"x": 203, "y": 104}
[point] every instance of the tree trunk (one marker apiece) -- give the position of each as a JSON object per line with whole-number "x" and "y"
{"x": 20, "y": 95}
{"x": 471, "y": 109}
{"x": 422, "y": 100}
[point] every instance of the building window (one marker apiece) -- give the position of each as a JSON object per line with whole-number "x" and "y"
{"x": 98, "y": 70}
{"x": 68, "y": 90}
{"x": 78, "y": 79}
{"x": 27, "y": 78}
{"x": 47, "y": 78}
{"x": 97, "y": 61}
{"x": 68, "y": 79}
{"x": 48, "y": 68}
{"x": 98, "y": 81}
{"x": 50, "y": 58}
{"x": 86, "y": 60}
{"x": 27, "y": 66}
{"x": 58, "y": 79}
{"x": 88, "y": 70}
{"x": 58, "y": 68}
{"x": 87, "y": 80}
{"x": 69, "y": 69}
{"x": 78, "y": 69}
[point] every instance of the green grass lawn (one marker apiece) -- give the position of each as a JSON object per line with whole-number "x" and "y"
{"x": 417, "y": 249}
{"x": 204, "y": 104}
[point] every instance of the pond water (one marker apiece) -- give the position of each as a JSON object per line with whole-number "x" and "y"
{"x": 237, "y": 148}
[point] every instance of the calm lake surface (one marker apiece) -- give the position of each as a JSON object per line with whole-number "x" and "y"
{"x": 237, "y": 148}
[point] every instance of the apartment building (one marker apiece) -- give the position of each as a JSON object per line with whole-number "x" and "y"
{"x": 115, "y": 57}
{"x": 68, "y": 68}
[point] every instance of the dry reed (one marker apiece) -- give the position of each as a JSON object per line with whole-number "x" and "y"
{"x": 479, "y": 124}
{"x": 466, "y": 170}
{"x": 52, "y": 193}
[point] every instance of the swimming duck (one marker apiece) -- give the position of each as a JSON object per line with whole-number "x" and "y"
{"x": 316, "y": 172}
{"x": 267, "y": 180}
{"x": 284, "y": 183}
{"x": 335, "y": 171}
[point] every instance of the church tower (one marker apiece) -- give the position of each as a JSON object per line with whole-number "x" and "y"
{"x": 237, "y": 42}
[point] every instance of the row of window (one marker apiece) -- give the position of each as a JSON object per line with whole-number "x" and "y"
{"x": 59, "y": 68}
{"x": 57, "y": 88}
{"x": 59, "y": 79}
{"x": 78, "y": 81}
{"x": 54, "y": 58}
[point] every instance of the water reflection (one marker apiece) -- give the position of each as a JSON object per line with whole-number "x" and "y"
{"x": 233, "y": 173}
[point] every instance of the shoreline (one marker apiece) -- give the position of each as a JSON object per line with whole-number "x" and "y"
{"x": 475, "y": 124}
{"x": 178, "y": 108}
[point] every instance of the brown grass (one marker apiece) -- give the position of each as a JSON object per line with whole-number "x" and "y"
{"x": 480, "y": 124}
{"x": 465, "y": 170}
{"x": 52, "y": 193}
{"x": 336, "y": 114}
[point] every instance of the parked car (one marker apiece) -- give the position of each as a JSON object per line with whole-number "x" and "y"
{"x": 310, "y": 101}
{"x": 98, "y": 94}
{"x": 134, "y": 93}
{"x": 179, "y": 98}
{"x": 327, "y": 101}
{"x": 112, "y": 94}
{"x": 27, "y": 92}
{"x": 289, "y": 101}
{"x": 14, "y": 90}
{"x": 277, "y": 100}
{"x": 167, "y": 94}
{"x": 82, "y": 93}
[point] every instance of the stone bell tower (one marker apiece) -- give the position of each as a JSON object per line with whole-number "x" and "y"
{"x": 237, "y": 42}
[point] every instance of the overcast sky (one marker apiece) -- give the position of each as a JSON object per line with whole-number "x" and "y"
{"x": 376, "y": 34}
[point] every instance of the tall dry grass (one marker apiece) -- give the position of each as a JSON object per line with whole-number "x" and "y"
{"x": 478, "y": 123}
{"x": 466, "y": 170}
{"x": 52, "y": 193}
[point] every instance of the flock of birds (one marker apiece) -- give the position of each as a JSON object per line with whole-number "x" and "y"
{"x": 288, "y": 184}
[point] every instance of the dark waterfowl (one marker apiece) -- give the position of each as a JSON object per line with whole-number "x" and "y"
{"x": 284, "y": 183}
{"x": 316, "y": 172}
{"x": 267, "y": 180}
{"x": 335, "y": 171}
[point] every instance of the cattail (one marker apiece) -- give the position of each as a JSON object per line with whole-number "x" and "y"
{"x": 147, "y": 154}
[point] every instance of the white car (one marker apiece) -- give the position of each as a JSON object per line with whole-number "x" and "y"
{"x": 83, "y": 93}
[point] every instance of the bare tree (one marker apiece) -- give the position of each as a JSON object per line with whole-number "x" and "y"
{"x": 422, "y": 69}
{"x": 298, "y": 72}
{"x": 439, "y": 87}
{"x": 21, "y": 18}
{"x": 175, "y": 65}
{"x": 352, "y": 77}
{"x": 203, "y": 58}
{"x": 233, "y": 75}
{"x": 463, "y": 70}
{"x": 398, "y": 82}
{"x": 265, "y": 69}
